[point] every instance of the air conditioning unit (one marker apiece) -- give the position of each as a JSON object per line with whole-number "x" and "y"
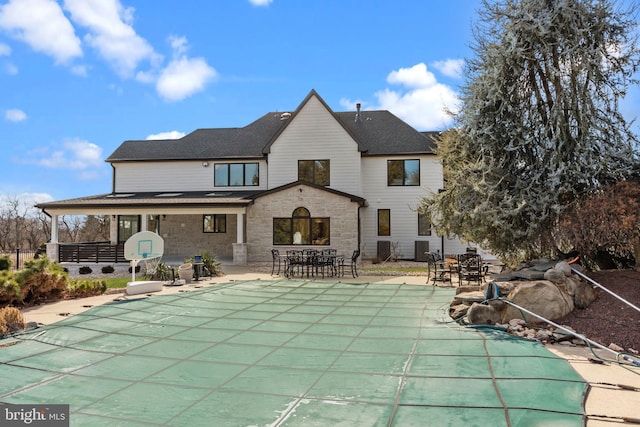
{"x": 421, "y": 246}
{"x": 384, "y": 250}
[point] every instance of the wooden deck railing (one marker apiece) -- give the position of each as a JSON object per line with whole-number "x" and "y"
{"x": 91, "y": 252}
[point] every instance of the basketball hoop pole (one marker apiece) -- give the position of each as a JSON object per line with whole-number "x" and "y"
{"x": 134, "y": 264}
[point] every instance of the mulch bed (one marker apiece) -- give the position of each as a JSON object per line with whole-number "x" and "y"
{"x": 609, "y": 320}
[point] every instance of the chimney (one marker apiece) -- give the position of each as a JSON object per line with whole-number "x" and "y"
{"x": 358, "y": 112}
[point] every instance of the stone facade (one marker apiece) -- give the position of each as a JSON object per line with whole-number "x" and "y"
{"x": 183, "y": 236}
{"x": 342, "y": 211}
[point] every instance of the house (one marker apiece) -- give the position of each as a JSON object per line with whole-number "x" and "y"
{"x": 307, "y": 178}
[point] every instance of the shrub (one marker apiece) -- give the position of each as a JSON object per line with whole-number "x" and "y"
{"x": 210, "y": 262}
{"x": 5, "y": 262}
{"x": 162, "y": 272}
{"x": 42, "y": 287}
{"x": 107, "y": 269}
{"x": 41, "y": 280}
{"x": 80, "y": 288}
{"x": 604, "y": 227}
{"x": 85, "y": 270}
{"x": 137, "y": 269}
{"x": 11, "y": 320}
{"x": 9, "y": 288}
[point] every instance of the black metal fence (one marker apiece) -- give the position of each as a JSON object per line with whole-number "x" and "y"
{"x": 19, "y": 256}
{"x": 91, "y": 252}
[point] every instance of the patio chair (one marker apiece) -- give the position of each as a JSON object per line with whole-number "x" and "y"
{"x": 470, "y": 268}
{"x": 326, "y": 262}
{"x": 352, "y": 263}
{"x": 275, "y": 259}
{"x": 437, "y": 270}
{"x": 294, "y": 262}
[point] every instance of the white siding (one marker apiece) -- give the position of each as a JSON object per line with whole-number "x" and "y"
{"x": 401, "y": 201}
{"x": 173, "y": 176}
{"x": 314, "y": 134}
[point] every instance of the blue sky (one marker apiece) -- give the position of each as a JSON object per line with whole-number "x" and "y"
{"x": 79, "y": 77}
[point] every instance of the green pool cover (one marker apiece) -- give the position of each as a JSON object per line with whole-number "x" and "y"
{"x": 288, "y": 353}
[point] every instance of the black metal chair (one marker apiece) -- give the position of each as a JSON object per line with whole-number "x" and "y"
{"x": 352, "y": 263}
{"x": 437, "y": 269}
{"x": 275, "y": 260}
{"x": 326, "y": 262}
{"x": 294, "y": 262}
{"x": 470, "y": 268}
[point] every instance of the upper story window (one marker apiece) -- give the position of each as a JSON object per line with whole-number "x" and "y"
{"x": 314, "y": 171}
{"x": 403, "y": 172}
{"x": 236, "y": 175}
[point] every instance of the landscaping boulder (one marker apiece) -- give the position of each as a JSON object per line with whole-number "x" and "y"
{"x": 544, "y": 298}
{"x": 481, "y": 314}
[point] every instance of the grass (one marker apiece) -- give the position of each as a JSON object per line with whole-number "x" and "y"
{"x": 117, "y": 282}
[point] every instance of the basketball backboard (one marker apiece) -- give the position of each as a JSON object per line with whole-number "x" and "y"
{"x": 143, "y": 245}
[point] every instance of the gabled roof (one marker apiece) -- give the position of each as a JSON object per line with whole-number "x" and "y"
{"x": 361, "y": 201}
{"x": 375, "y": 132}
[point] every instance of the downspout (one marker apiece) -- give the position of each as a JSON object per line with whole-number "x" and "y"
{"x": 113, "y": 179}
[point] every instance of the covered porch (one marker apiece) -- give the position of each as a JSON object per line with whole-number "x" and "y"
{"x": 190, "y": 224}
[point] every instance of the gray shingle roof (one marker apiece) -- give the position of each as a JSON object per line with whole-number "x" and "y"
{"x": 376, "y": 132}
{"x": 156, "y": 199}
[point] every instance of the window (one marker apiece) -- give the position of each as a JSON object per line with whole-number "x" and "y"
{"x": 403, "y": 172}
{"x": 128, "y": 225}
{"x": 314, "y": 171}
{"x": 214, "y": 223}
{"x": 424, "y": 225}
{"x": 236, "y": 175}
{"x": 301, "y": 229}
{"x": 384, "y": 222}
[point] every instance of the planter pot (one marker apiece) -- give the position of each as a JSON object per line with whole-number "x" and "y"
{"x": 185, "y": 272}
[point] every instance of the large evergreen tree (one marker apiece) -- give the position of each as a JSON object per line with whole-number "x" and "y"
{"x": 539, "y": 123}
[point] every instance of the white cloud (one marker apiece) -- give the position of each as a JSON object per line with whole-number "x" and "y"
{"x": 450, "y": 67}
{"x": 76, "y": 154}
{"x": 174, "y": 134}
{"x": 5, "y": 50}
{"x": 416, "y": 76}
{"x": 183, "y": 76}
{"x": 179, "y": 45}
{"x": 111, "y": 33}
{"x": 42, "y": 25}
{"x": 422, "y": 101}
{"x": 15, "y": 115}
{"x": 261, "y": 2}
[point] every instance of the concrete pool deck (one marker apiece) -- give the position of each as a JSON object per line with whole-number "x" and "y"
{"x": 612, "y": 404}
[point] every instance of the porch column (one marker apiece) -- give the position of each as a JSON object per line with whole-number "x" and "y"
{"x": 52, "y": 245}
{"x": 240, "y": 228}
{"x": 144, "y": 222}
{"x": 240, "y": 248}
{"x": 54, "y": 228}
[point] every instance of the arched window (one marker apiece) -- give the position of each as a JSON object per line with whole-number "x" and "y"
{"x": 301, "y": 229}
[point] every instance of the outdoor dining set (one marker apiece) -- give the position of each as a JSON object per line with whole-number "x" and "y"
{"x": 313, "y": 263}
{"x": 467, "y": 267}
